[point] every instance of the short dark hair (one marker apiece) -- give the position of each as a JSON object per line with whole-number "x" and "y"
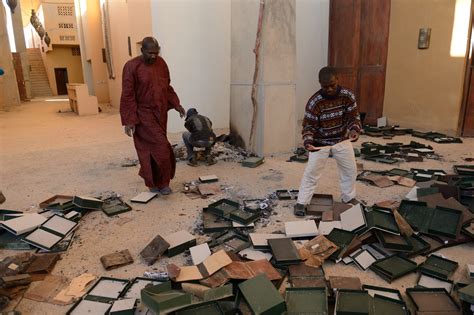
{"x": 150, "y": 42}
{"x": 326, "y": 73}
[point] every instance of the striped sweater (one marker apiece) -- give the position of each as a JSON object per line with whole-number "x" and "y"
{"x": 329, "y": 119}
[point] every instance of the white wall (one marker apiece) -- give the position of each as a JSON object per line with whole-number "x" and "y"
{"x": 195, "y": 42}
{"x": 312, "y": 30}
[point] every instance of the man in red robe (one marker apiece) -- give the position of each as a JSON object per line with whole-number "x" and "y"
{"x": 146, "y": 98}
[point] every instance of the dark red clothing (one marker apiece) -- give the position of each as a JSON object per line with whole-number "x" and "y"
{"x": 146, "y": 98}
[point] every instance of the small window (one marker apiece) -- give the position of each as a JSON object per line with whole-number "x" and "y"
{"x": 67, "y": 37}
{"x": 65, "y": 10}
{"x": 65, "y": 25}
{"x": 76, "y": 51}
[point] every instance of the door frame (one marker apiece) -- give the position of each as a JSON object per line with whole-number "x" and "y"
{"x": 56, "y": 79}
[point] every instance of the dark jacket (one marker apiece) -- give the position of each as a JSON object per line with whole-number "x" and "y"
{"x": 200, "y": 128}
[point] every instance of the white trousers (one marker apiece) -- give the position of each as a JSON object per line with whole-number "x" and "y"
{"x": 343, "y": 153}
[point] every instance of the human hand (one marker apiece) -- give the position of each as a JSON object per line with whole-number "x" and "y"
{"x": 353, "y": 135}
{"x": 311, "y": 148}
{"x": 129, "y": 130}
{"x": 181, "y": 111}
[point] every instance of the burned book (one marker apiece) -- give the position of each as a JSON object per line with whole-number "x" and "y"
{"x": 231, "y": 210}
{"x": 353, "y": 219}
{"x": 154, "y": 250}
{"x": 352, "y": 302}
{"x": 87, "y": 202}
{"x": 260, "y": 240}
{"x": 343, "y": 239}
{"x": 51, "y": 232}
{"x": 86, "y": 306}
{"x": 394, "y": 242}
{"x": 253, "y": 162}
{"x": 363, "y": 258}
{"x": 434, "y": 300}
{"x": 10, "y": 241}
{"x": 204, "y": 308}
{"x": 208, "y": 179}
{"x": 306, "y": 301}
{"x": 381, "y": 159}
{"x": 383, "y": 305}
{"x": 23, "y": 224}
{"x": 284, "y": 251}
{"x": 114, "y": 206}
{"x": 320, "y": 203}
{"x": 179, "y": 242}
{"x": 144, "y": 197}
{"x": 426, "y": 281}
{"x": 439, "y": 221}
{"x": 107, "y": 289}
{"x": 162, "y": 299}
{"x": 238, "y": 270}
{"x": 301, "y": 229}
{"x": 57, "y": 202}
{"x": 212, "y": 223}
{"x": 419, "y": 244}
{"x": 303, "y": 276}
{"x": 207, "y": 268}
{"x": 438, "y": 267}
{"x": 133, "y": 290}
{"x": 393, "y": 267}
{"x": 445, "y": 222}
{"x": 382, "y": 291}
{"x": 285, "y": 194}
{"x": 381, "y": 220}
{"x": 467, "y": 293}
{"x": 262, "y": 297}
{"x": 42, "y": 264}
{"x": 123, "y": 307}
{"x": 116, "y": 260}
{"x": 398, "y": 172}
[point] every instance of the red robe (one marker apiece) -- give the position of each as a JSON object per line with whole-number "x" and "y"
{"x": 146, "y": 98}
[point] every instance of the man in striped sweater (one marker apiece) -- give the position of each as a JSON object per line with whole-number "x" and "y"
{"x": 331, "y": 122}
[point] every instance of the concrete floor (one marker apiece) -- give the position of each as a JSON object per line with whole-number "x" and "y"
{"x": 44, "y": 152}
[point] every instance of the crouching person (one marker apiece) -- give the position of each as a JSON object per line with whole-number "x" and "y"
{"x": 199, "y": 135}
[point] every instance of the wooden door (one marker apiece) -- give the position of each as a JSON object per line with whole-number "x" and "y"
{"x": 61, "y": 80}
{"x": 358, "y": 47}
{"x": 20, "y": 80}
{"x": 468, "y": 115}
{"x": 466, "y": 118}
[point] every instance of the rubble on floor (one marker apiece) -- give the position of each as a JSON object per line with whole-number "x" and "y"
{"x": 388, "y": 132}
{"x": 235, "y": 266}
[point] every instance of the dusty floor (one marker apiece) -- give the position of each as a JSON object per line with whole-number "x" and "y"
{"x": 44, "y": 153}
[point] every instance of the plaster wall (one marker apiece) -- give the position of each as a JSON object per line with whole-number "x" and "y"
{"x": 119, "y": 32}
{"x": 294, "y": 47}
{"x": 278, "y": 78}
{"x": 90, "y": 35}
{"x": 244, "y": 18}
{"x": 59, "y": 21}
{"x": 312, "y": 29}
{"x": 61, "y": 57}
{"x": 195, "y": 42}
{"x": 8, "y": 87}
{"x": 423, "y": 86}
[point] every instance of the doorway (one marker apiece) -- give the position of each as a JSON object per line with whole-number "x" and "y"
{"x": 61, "y": 80}
{"x": 358, "y": 52}
{"x": 19, "y": 76}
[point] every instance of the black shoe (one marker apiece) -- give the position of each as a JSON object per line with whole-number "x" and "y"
{"x": 192, "y": 162}
{"x": 165, "y": 191}
{"x": 299, "y": 210}
{"x": 210, "y": 161}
